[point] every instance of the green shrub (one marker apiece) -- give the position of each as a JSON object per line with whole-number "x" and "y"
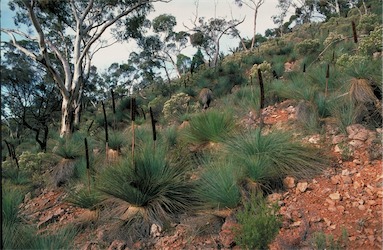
{"x": 177, "y": 106}
{"x": 210, "y": 126}
{"x": 308, "y": 46}
{"x": 367, "y": 23}
{"x": 269, "y": 158}
{"x": 372, "y": 43}
{"x": 218, "y": 187}
{"x": 322, "y": 241}
{"x": 84, "y": 198}
{"x": 154, "y": 185}
{"x": 259, "y": 224}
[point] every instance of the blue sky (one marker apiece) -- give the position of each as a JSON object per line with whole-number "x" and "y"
{"x": 184, "y": 11}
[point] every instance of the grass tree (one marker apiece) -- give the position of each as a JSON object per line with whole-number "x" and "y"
{"x": 267, "y": 159}
{"x": 217, "y": 187}
{"x": 153, "y": 187}
{"x": 210, "y": 126}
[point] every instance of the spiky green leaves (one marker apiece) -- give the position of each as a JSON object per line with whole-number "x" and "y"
{"x": 152, "y": 183}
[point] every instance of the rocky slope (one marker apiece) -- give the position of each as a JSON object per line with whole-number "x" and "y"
{"x": 344, "y": 202}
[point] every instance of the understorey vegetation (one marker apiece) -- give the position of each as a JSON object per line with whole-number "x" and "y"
{"x": 156, "y": 156}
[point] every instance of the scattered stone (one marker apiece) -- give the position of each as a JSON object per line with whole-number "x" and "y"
{"x": 362, "y": 207}
{"x": 335, "y": 196}
{"x": 347, "y": 180}
{"x": 335, "y": 179}
{"x": 345, "y": 172}
{"x": 117, "y": 245}
{"x": 302, "y": 186}
{"x": 274, "y": 198}
{"x": 155, "y": 230}
{"x": 356, "y": 143}
{"x": 289, "y": 182}
{"x": 332, "y": 208}
{"x": 338, "y": 139}
{"x": 296, "y": 224}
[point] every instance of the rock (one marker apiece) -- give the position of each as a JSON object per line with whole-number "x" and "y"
{"x": 155, "y": 230}
{"x": 302, "y": 186}
{"x": 314, "y": 139}
{"x": 362, "y": 207}
{"x": 337, "y": 149}
{"x": 335, "y": 179}
{"x": 296, "y": 224}
{"x": 332, "y": 208}
{"x": 274, "y": 197}
{"x": 289, "y": 182}
{"x": 227, "y": 238}
{"x": 335, "y": 196}
{"x": 347, "y": 180}
{"x": 356, "y": 143}
{"x": 338, "y": 139}
{"x": 117, "y": 245}
{"x": 345, "y": 172}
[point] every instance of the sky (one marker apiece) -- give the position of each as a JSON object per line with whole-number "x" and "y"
{"x": 184, "y": 11}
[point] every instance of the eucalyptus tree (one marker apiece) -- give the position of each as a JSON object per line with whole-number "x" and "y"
{"x": 207, "y": 35}
{"x": 254, "y": 5}
{"x": 172, "y": 43}
{"x": 72, "y": 31}
{"x": 29, "y": 97}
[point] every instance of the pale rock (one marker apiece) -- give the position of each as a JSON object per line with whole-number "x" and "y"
{"x": 356, "y": 143}
{"x": 335, "y": 196}
{"x": 340, "y": 208}
{"x": 354, "y": 128}
{"x": 345, "y": 172}
{"x": 362, "y": 207}
{"x": 289, "y": 182}
{"x": 296, "y": 224}
{"x": 335, "y": 179}
{"x": 302, "y": 186}
{"x": 361, "y": 135}
{"x": 155, "y": 230}
{"x": 274, "y": 197}
{"x": 371, "y": 202}
{"x": 337, "y": 149}
{"x": 315, "y": 219}
{"x": 347, "y": 180}
{"x": 332, "y": 227}
{"x": 357, "y": 161}
{"x": 330, "y": 202}
{"x": 356, "y": 185}
{"x": 338, "y": 139}
{"x": 332, "y": 208}
{"x": 314, "y": 139}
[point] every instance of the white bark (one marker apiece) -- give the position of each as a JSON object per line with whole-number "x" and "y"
{"x": 70, "y": 83}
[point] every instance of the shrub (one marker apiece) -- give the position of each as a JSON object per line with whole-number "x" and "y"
{"x": 308, "y": 46}
{"x": 269, "y": 158}
{"x": 210, "y": 126}
{"x": 84, "y": 198}
{"x": 177, "y": 105}
{"x": 372, "y": 43}
{"x": 367, "y": 23}
{"x": 218, "y": 187}
{"x": 154, "y": 186}
{"x": 259, "y": 224}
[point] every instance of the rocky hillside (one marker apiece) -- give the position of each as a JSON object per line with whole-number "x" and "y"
{"x": 343, "y": 205}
